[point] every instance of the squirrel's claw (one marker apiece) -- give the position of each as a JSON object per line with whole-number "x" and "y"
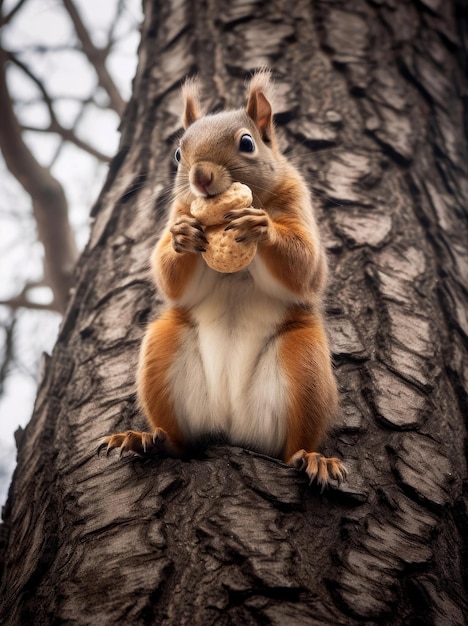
{"x": 188, "y": 235}
{"x": 319, "y": 469}
{"x": 142, "y": 444}
{"x": 251, "y": 223}
{"x": 104, "y": 443}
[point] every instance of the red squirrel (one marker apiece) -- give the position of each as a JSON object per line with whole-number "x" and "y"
{"x": 242, "y": 355}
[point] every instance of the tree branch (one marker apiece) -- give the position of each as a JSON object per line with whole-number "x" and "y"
{"x": 48, "y": 199}
{"x": 8, "y": 351}
{"x": 39, "y": 84}
{"x": 62, "y": 142}
{"x": 55, "y": 126}
{"x": 7, "y": 18}
{"x": 110, "y": 33}
{"x": 97, "y": 58}
{"x": 21, "y": 302}
{"x": 21, "y": 299}
{"x": 68, "y": 135}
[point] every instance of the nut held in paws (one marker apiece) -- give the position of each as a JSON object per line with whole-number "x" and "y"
{"x": 224, "y": 253}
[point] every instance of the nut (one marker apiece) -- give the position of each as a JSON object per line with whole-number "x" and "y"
{"x": 211, "y": 211}
{"x": 224, "y": 253}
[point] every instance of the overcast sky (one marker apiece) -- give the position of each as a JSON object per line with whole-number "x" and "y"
{"x": 44, "y": 23}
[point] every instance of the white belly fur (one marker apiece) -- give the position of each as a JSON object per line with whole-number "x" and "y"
{"x": 226, "y": 378}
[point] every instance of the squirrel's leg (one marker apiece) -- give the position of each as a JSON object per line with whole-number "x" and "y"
{"x": 306, "y": 364}
{"x": 158, "y": 350}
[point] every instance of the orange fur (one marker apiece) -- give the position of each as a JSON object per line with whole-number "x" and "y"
{"x": 172, "y": 271}
{"x": 158, "y": 351}
{"x": 290, "y": 254}
{"x": 293, "y": 252}
{"x": 305, "y": 359}
{"x": 159, "y": 348}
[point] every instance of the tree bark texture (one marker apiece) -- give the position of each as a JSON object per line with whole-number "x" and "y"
{"x": 372, "y": 108}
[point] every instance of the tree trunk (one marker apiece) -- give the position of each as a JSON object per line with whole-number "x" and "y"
{"x": 371, "y": 105}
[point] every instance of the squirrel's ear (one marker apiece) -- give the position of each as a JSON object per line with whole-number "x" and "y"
{"x": 191, "y": 97}
{"x": 258, "y": 105}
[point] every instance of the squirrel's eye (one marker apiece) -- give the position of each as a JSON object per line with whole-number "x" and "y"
{"x": 246, "y": 144}
{"x": 177, "y": 155}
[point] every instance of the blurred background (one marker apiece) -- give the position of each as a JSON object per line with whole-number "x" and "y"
{"x": 66, "y": 68}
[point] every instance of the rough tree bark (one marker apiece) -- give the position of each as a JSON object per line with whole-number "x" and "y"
{"x": 371, "y": 105}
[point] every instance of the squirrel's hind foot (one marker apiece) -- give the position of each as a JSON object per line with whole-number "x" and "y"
{"x": 319, "y": 468}
{"x": 140, "y": 443}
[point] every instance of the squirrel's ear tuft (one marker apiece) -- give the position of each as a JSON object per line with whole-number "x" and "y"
{"x": 258, "y": 106}
{"x": 191, "y": 97}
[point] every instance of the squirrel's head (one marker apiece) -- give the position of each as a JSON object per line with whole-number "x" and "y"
{"x": 240, "y": 145}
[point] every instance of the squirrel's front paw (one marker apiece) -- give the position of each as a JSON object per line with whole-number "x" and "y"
{"x": 188, "y": 235}
{"x": 250, "y": 224}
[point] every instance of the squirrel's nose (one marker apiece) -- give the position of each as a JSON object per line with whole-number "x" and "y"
{"x": 201, "y": 177}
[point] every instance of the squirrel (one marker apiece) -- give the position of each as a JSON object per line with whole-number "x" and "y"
{"x": 242, "y": 356}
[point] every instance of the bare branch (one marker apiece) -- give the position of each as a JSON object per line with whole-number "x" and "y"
{"x": 97, "y": 58}
{"x": 21, "y": 301}
{"x": 43, "y": 49}
{"x": 7, "y": 18}
{"x": 111, "y": 32}
{"x": 48, "y": 198}
{"x": 62, "y": 142}
{"x": 40, "y": 85}
{"x": 68, "y": 135}
{"x": 57, "y": 153}
{"x": 55, "y": 126}
{"x": 8, "y": 351}
{"x": 82, "y": 101}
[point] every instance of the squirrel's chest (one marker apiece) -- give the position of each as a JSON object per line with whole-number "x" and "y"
{"x": 232, "y": 355}
{"x": 234, "y": 323}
